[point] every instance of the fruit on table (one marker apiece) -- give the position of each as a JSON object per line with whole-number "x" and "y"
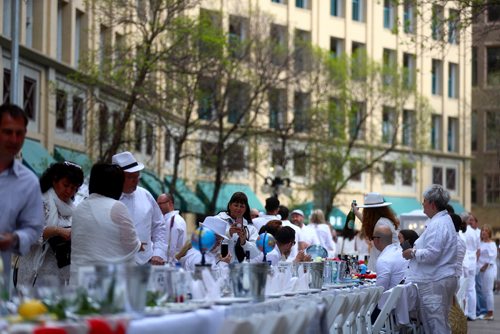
{"x": 32, "y": 308}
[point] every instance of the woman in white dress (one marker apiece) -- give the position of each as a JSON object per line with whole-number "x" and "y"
{"x": 376, "y": 213}
{"x": 59, "y": 183}
{"x": 318, "y": 224}
{"x": 487, "y": 267}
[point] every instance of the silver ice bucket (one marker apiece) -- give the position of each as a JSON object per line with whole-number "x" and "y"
{"x": 249, "y": 280}
{"x": 136, "y": 282}
{"x": 315, "y": 272}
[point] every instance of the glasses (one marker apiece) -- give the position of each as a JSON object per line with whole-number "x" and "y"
{"x": 72, "y": 164}
{"x": 375, "y": 237}
{"x": 164, "y": 202}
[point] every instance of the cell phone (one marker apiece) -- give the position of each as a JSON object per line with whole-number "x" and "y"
{"x": 405, "y": 245}
{"x": 224, "y": 249}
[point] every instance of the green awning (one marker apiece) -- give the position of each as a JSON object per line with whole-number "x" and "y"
{"x": 82, "y": 159}
{"x": 402, "y": 205}
{"x": 36, "y": 157}
{"x": 205, "y": 191}
{"x": 457, "y": 207}
{"x": 336, "y": 218}
{"x": 187, "y": 199}
{"x": 152, "y": 183}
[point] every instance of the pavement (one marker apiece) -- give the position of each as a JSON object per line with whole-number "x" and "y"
{"x": 484, "y": 326}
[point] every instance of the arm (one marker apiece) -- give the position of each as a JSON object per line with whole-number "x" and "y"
{"x": 158, "y": 231}
{"x": 128, "y": 237}
{"x": 383, "y": 271}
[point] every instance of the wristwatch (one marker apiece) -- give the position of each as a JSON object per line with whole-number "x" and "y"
{"x": 413, "y": 253}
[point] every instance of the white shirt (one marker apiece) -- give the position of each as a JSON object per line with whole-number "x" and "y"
{"x": 461, "y": 250}
{"x": 295, "y": 248}
{"x": 325, "y": 237}
{"x": 193, "y": 257}
{"x": 149, "y": 224}
{"x": 374, "y": 252}
{"x": 436, "y": 251}
{"x": 488, "y": 254}
{"x": 308, "y": 235}
{"x": 472, "y": 242}
{"x": 249, "y": 245}
{"x": 346, "y": 246}
{"x": 262, "y": 220}
{"x": 274, "y": 257}
{"x": 176, "y": 233}
{"x": 391, "y": 267}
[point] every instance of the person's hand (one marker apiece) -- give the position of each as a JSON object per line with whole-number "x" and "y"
{"x": 240, "y": 231}
{"x": 302, "y": 257}
{"x": 408, "y": 254}
{"x": 226, "y": 258}
{"x": 484, "y": 267}
{"x": 8, "y": 240}
{"x": 156, "y": 261}
{"x": 64, "y": 232}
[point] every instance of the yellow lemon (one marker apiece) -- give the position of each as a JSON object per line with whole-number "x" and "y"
{"x": 31, "y": 309}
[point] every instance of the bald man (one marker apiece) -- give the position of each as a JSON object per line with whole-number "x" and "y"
{"x": 176, "y": 226}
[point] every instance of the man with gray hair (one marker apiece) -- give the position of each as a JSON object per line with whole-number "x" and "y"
{"x": 433, "y": 261}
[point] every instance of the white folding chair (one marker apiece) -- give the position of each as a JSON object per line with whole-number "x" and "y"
{"x": 384, "y": 320}
{"x": 377, "y": 293}
{"x": 343, "y": 314}
{"x": 237, "y": 326}
{"x": 350, "y": 324}
{"x": 270, "y": 322}
{"x": 337, "y": 304}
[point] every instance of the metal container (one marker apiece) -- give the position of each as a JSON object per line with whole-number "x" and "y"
{"x": 249, "y": 280}
{"x": 136, "y": 282}
{"x": 315, "y": 272}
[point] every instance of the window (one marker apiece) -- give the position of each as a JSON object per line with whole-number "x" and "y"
{"x": 492, "y": 130}
{"x": 277, "y": 108}
{"x": 358, "y": 13}
{"x": 210, "y": 32}
{"x": 235, "y": 158}
{"x": 389, "y": 14}
{"x": 358, "y": 65}
{"x": 61, "y": 26}
{"x": 7, "y": 13}
{"x": 138, "y": 136}
{"x": 389, "y": 172}
{"x": 238, "y": 32}
{"x": 206, "y": 98}
{"x": 208, "y": 157}
{"x": 355, "y": 167}
{"x": 492, "y": 182}
{"x": 408, "y": 128}
{"x": 237, "y": 101}
{"x": 299, "y": 163}
{"x": 453, "y": 81}
{"x": 6, "y": 85}
{"x": 437, "y": 22}
{"x": 389, "y": 62}
{"x": 301, "y": 110}
{"x": 103, "y": 123}
{"x": 78, "y": 38}
{"x": 77, "y": 115}
{"x": 451, "y": 179}
{"x": 474, "y": 66}
{"x": 302, "y": 4}
{"x": 302, "y": 46}
{"x": 277, "y": 157}
{"x": 473, "y": 190}
{"x": 409, "y": 70}
{"x": 283, "y": 2}
{"x": 336, "y": 119}
{"x": 493, "y": 56}
{"x": 149, "y": 139}
{"x": 453, "y": 26}
{"x": 407, "y": 175}
{"x": 166, "y": 148}
{"x": 436, "y": 132}
{"x": 437, "y": 175}
{"x": 357, "y": 120}
{"x": 337, "y": 8}
{"x": 336, "y": 47}
{"x": 437, "y": 74}
{"x": 388, "y": 125}
{"x": 453, "y": 134}
{"x": 29, "y": 23}
{"x": 61, "y": 106}
{"x": 409, "y": 16}
{"x": 103, "y": 45}
{"x": 119, "y": 50}
{"x": 493, "y": 11}
{"x": 473, "y": 130}
{"x": 29, "y": 98}
{"x": 279, "y": 38}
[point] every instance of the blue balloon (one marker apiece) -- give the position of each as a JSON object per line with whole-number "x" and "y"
{"x": 266, "y": 242}
{"x": 203, "y": 239}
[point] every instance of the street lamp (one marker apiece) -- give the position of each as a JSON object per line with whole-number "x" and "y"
{"x": 277, "y": 183}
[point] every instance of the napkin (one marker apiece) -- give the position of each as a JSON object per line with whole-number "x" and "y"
{"x": 211, "y": 286}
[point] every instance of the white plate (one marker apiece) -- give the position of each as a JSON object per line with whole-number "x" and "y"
{"x": 232, "y": 300}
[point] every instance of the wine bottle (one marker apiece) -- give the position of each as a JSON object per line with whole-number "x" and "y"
{"x": 351, "y": 218}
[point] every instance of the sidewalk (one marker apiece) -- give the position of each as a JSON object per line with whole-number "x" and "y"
{"x": 486, "y": 327}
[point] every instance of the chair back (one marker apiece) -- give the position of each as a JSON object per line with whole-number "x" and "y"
{"x": 385, "y": 312}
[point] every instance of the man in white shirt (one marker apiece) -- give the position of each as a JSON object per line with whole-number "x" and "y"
{"x": 284, "y": 213}
{"x": 307, "y": 237}
{"x": 176, "y": 226}
{"x": 433, "y": 262}
{"x": 146, "y": 215}
{"x": 272, "y": 207}
{"x": 391, "y": 267}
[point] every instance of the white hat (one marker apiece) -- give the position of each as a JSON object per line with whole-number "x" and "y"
{"x": 127, "y": 162}
{"x": 298, "y": 212}
{"x": 374, "y": 200}
{"x": 217, "y": 225}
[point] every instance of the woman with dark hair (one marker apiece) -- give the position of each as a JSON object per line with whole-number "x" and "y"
{"x": 376, "y": 212}
{"x": 409, "y": 235}
{"x": 242, "y": 234}
{"x": 103, "y": 232}
{"x": 58, "y": 184}
{"x": 486, "y": 264}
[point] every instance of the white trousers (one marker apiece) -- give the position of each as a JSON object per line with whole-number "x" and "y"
{"x": 487, "y": 278}
{"x": 435, "y": 300}
{"x": 470, "y": 292}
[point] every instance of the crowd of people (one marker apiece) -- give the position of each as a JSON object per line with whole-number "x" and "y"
{"x": 121, "y": 222}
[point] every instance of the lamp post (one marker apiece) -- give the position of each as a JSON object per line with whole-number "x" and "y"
{"x": 277, "y": 183}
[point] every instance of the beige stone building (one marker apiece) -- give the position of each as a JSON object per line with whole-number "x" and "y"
{"x": 55, "y": 34}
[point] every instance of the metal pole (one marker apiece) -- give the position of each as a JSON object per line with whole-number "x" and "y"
{"x": 14, "y": 61}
